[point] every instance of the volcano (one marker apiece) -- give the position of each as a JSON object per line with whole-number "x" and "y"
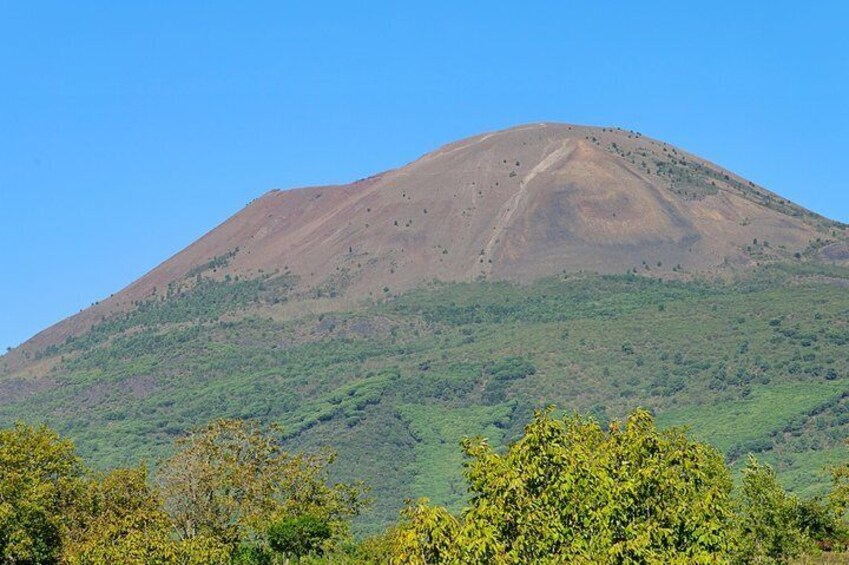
{"x": 516, "y": 205}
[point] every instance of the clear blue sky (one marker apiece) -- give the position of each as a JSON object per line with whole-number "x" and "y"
{"x": 128, "y": 129}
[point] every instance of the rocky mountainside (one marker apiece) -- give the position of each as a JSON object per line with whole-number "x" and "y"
{"x": 516, "y": 205}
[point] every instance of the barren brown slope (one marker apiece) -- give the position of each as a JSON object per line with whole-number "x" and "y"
{"x": 516, "y": 204}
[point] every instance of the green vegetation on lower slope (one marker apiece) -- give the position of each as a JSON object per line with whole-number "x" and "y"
{"x": 756, "y": 365}
{"x": 438, "y": 432}
{"x": 744, "y": 425}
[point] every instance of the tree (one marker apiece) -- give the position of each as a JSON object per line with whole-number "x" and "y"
{"x": 231, "y": 479}
{"x": 823, "y": 523}
{"x": 768, "y": 519}
{"x": 299, "y": 536}
{"x": 839, "y": 495}
{"x": 570, "y": 492}
{"x": 40, "y": 485}
{"x": 122, "y": 521}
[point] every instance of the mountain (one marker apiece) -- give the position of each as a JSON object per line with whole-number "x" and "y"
{"x": 515, "y": 205}
{"x": 590, "y": 267}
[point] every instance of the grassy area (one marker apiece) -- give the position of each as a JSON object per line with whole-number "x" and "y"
{"x": 768, "y": 408}
{"x": 438, "y": 432}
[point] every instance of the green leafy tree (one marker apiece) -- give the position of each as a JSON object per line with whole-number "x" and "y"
{"x": 570, "y": 492}
{"x": 41, "y": 482}
{"x": 231, "y": 479}
{"x": 299, "y": 536}
{"x": 768, "y": 519}
{"x": 122, "y": 521}
{"x": 839, "y": 495}
{"x": 823, "y": 523}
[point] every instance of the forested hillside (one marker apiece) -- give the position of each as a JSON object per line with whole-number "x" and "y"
{"x": 753, "y": 364}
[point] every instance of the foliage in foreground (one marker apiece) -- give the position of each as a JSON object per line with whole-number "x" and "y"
{"x": 571, "y": 492}
{"x": 568, "y": 491}
{"x": 230, "y": 494}
{"x": 40, "y": 484}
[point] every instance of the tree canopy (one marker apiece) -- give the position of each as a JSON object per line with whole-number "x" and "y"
{"x": 41, "y": 482}
{"x": 570, "y": 492}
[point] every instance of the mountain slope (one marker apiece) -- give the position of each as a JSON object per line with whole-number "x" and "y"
{"x": 514, "y": 205}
